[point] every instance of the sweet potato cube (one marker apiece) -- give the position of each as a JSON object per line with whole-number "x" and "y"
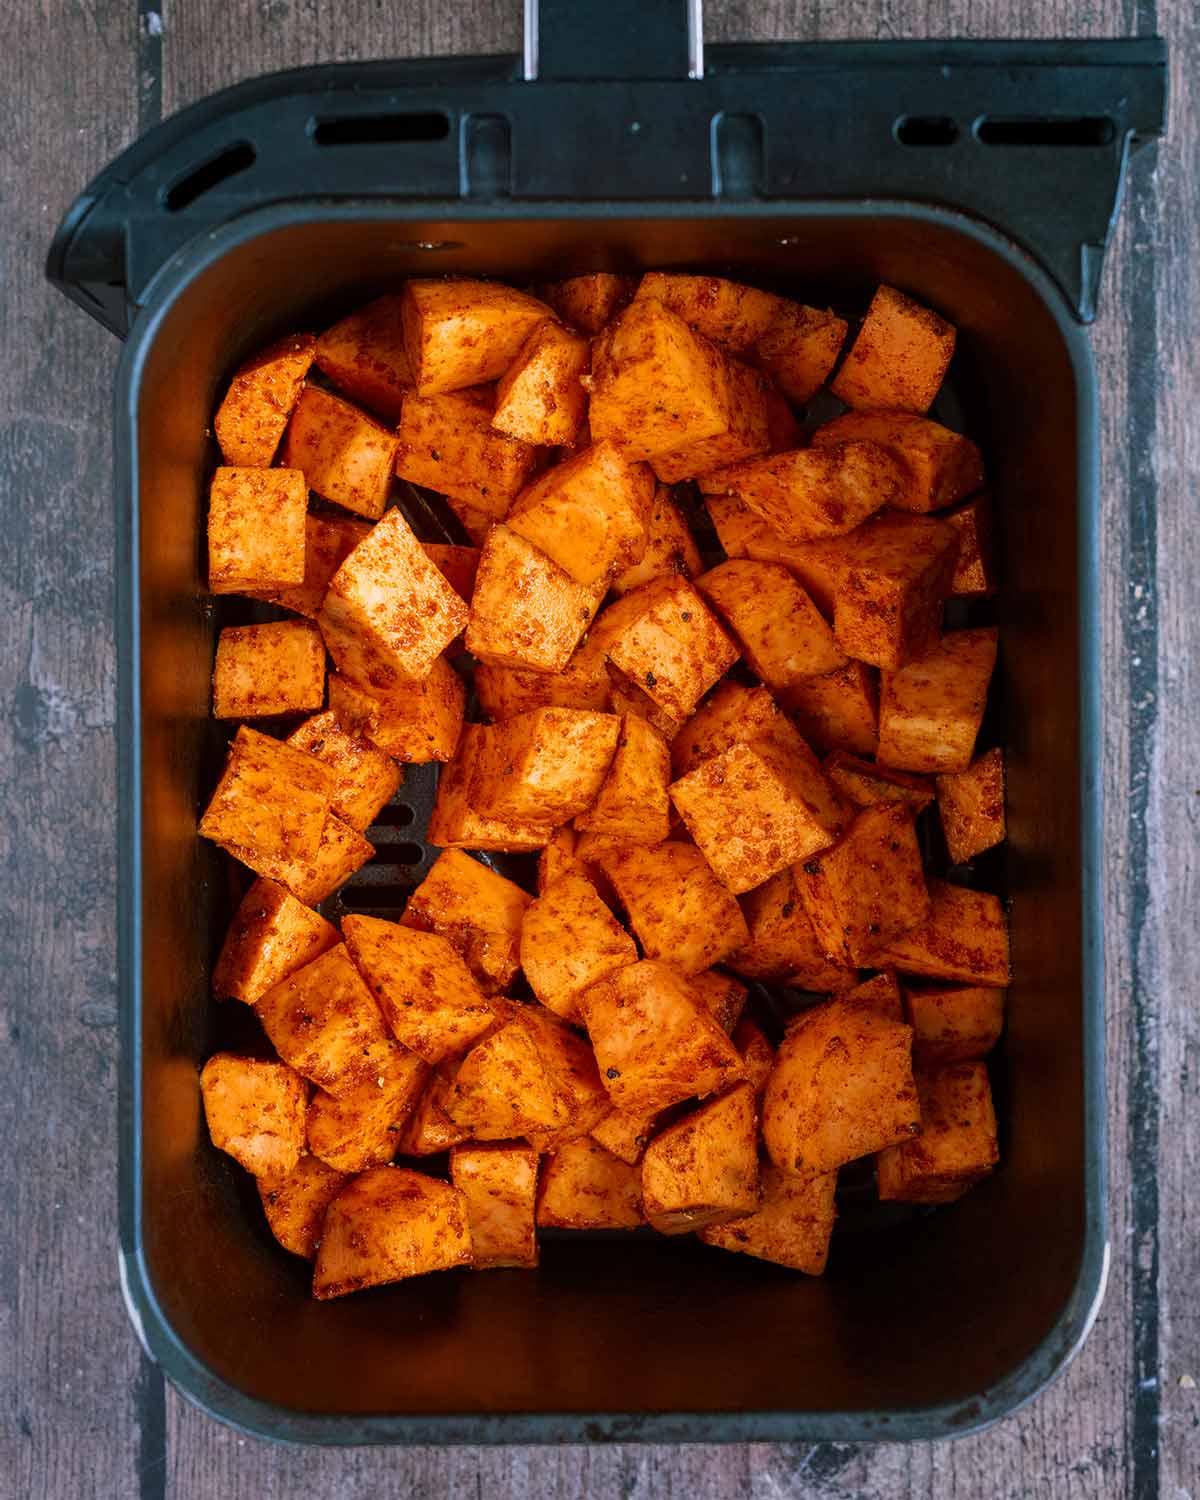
{"x": 756, "y": 809}
{"x": 311, "y": 877}
{"x": 270, "y": 797}
{"x": 899, "y": 359}
{"x": 499, "y": 1183}
{"x": 867, "y": 785}
{"x": 505, "y": 692}
{"x": 569, "y": 940}
{"x": 546, "y": 765}
{"x": 975, "y": 573}
{"x": 868, "y": 888}
{"x": 525, "y": 611}
{"x": 323, "y": 1021}
{"x": 953, "y": 1024}
{"x": 668, "y": 642}
{"x": 783, "y": 947}
{"x": 264, "y": 670}
{"x": 365, "y": 778}
{"x": 747, "y": 430}
{"x": 704, "y": 1168}
{"x": 654, "y": 1040}
{"x": 429, "y": 1130}
{"x": 743, "y": 533}
{"x": 415, "y": 722}
{"x": 756, "y": 1052}
{"x": 722, "y": 996}
{"x": 588, "y": 514}
{"x": 628, "y": 698}
{"x": 328, "y": 542}
{"x": 838, "y": 711}
{"x": 632, "y": 805}
{"x": 256, "y": 407}
{"x": 389, "y": 614}
{"x": 558, "y": 858}
{"x": 584, "y": 1186}
{"x": 390, "y": 1223}
{"x": 271, "y": 936}
{"x": 425, "y": 990}
{"x": 964, "y": 938}
{"x": 589, "y": 302}
{"x": 477, "y": 910}
{"x": 792, "y": 1225}
{"x": 540, "y": 398}
{"x": 812, "y": 492}
{"x": 364, "y": 355}
{"x": 799, "y": 350}
{"x": 570, "y": 1060}
{"x": 940, "y": 466}
{"x": 255, "y": 1111}
{"x": 457, "y": 565}
{"x": 733, "y": 715}
{"x": 930, "y": 710}
{"x": 454, "y": 823}
{"x": 971, "y": 805}
{"x": 626, "y": 1136}
{"x": 781, "y": 631}
{"x": 677, "y": 907}
{"x": 882, "y": 994}
{"x": 461, "y": 332}
{"x": 345, "y": 455}
{"x": 727, "y": 312}
{"x": 842, "y": 1088}
{"x": 448, "y": 444}
{"x": 363, "y": 1127}
{"x": 957, "y": 1145}
{"x": 255, "y": 529}
{"x": 671, "y": 549}
{"x": 296, "y": 1203}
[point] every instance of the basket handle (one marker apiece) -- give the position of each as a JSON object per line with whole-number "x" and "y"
{"x": 579, "y": 39}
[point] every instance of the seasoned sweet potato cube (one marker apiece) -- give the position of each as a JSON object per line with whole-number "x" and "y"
{"x": 941, "y": 466}
{"x": 704, "y": 1169}
{"x": 975, "y": 572}
{"x": 964, "y": 938}
{"x": 732, "y": 715}
{"x": 953, "y": 1024}
{"x": 363, "y": 1127}
{"x": 457, "y": 565}
{"x": 270, "y": 798}
{"x": 588, "y": 514}
{"x": 679, "y": 910}
{"x": 722, "y": 995}
{"x": 558, "y": 858}
{"x": 546, "y": 765}
{"x": 756, "y": 809}
{"x": 671, "y": 549}
{"x": 260, "y": 398}
{"x": 628, "y": 698}
{"x": 448, "y": 444}
{"x": 389, "y": 614}
{"x": 747, "y": 430}
{"x": 782, "y": 946}
{"x": 365, "y": 778}
{"x": 812, "y": 492}
{"x": 454, "y": 823}
{"x": 461, "y": 332}
{"x": 842, "y": 1088}
{"x": 429, "y": 1130}
{"x": 626, "y": 1136}
{"x": 792, "y": 1225}
{"x": 931, "y": 709}
{"x": 743, "y": 533}
{"x": 868, "y": 888}
{"x": 311, "y": 877}
{"x": 584, "y": 1186}
{"x": 415, "y": 722}
{"x": 588, "y": 302}
{"x": 569, "y": 940}
{"x": 344, "y": 454}
{"x": 900, "y": 357}
{"x": 868, "y": 785}
{"x": 525, "y": 611}
{"x": 364, "y": 355}
{"x": 255, "y": 1111}
{"x": 838, "y": 711}
{"x": 477, "y": 910}
{"x": 632, "y": 805}
{"x": 799, "y": 350}
{"x": 264, "y": 670}
{"x": 756, "y": 1052}
{"x": 255, "y": 529}
{"x": 271, "y": 935}
{"x": 781, "y": 631}
{"x": 569, "y": 1058}
{"x": 323, "y": 1021}
{"x": 957, "y": 1144}
{"x": 727, "y": 312}
{"x": 668, "y": 642}
{"x": 971, "y": 806}
{"x": 505, "y": 692}
{"x": 328, "y": 542}
{"x": 499, "y": 1183}
{"x": 390, "y": 1223}
{"x": 425, "y": 990}
{"x": 654, "y": 1040}
{"x": 296, "y": 1203}
{"x": 540, "y": 398}
{"x": 882, "y": 994}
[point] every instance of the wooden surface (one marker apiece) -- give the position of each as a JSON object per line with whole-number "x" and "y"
{"x": 84, "y": 1413}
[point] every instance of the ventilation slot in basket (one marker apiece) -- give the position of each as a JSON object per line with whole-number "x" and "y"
{"x": 1045, "y": 131}
{"x": 381, "y": 130}
{"x": 211, "y": 174}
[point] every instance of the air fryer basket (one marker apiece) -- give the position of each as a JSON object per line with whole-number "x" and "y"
{"x": 981, "y": 178}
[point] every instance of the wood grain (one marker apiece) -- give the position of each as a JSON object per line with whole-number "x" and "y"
{"x": 85, "y": 1410}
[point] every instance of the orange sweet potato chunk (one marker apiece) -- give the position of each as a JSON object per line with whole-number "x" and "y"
{"x": 971, "y": 806}
{"x": 448, "y": 444}
{"x": 461, "y": 332}
{"x": 270, "y": 797}
{"x": 260, "y": 399}
{"x": 271, "y": 935}
{"x": 744, "y": 533}
{"x": 866, "y": 785}
{"x": 363, "y": 1126}
{"x": 747, "y": 430}
{"x": 265, "y": 670}
{"x": 415, "y": 722}
{"x": 732, "y": 714}
{"x": 704, "y": 1169}
{"x": 671, "y": 549}
{"x": 255, "y": 1111}
{"x": 540, "y": 398}
{"x": 941, "y": 466}
{"x": 679, "y": 910}
{"x": 632, "y": 805}
{"x": 544, "y": 766}
{"x": 588, "y": 302}
{"x": 810, "y": 493}
{"x": 312, "y": 877}
{"x": 782, "y": 946}
{"x": 584, "y": 1186}
{"x": 964, "y": 938}
{"x": 345, "y": 455}
{"x": 429, "y": 1130}
{"x": 899, "y": 359}
{"x": 782, "y": 633}
{"x": 363, "y": 354}
{"x": 455, "y": 824}
{"x": 457, "y": 565}
{"x": 799, "y": 350}
{"x": 328, "y": 542}
{"x": 569, "y": 940}
{"x": 791, "y": 1227}
{"x": 957, "y": 1145}
{"x": 364, "y": 778}
{"x": 976, "y": 575}
{"x": 255, "y": 529}
{"x": 839, "y": 710}
{"x": 505, "y": 692}
{"x": 930, "y": 710}
{"x": 953, "y": 1023}
{"x": 499, "y": 1183}
{"x": 295, "y": 1203}
{"x": 479, "y": 911}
